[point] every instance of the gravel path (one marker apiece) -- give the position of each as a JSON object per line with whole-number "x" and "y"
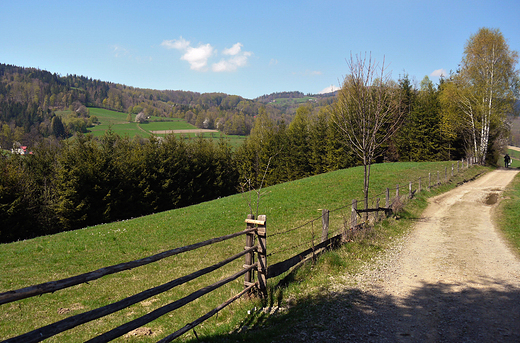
{"x": 451, "y": 279}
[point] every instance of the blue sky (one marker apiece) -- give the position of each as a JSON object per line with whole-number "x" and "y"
{"x": 247, "y": 48}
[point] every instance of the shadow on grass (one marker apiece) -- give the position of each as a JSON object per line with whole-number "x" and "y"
{"x": 486, "y": 310}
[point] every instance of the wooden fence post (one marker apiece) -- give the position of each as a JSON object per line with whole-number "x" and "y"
{"x": 446, "y": 174}
{"x": 452, "y": 170}
{"x": 325, "y": 225}
{"x": 457, "y": 167}
{"x": 377, "y": 212}
{"x": 438, "y": 182}
{"x": 249, "y": 258}
{"x": 353, "y": 215}
{"x": 397, "y": 192}
{"x": 419, "y": 188}
{"x": 429, "y": 181}
{"x": 410, "y": 189}
{"x": 387, "y": 204}
{"x": 262, "y": 255}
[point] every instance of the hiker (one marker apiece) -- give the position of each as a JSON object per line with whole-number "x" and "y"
{"x": 507, "y": 160}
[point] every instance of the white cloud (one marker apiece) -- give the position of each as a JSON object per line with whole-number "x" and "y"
{"x": 273, "y": 61}
{"x": 234, "y": 50}
{"x": 239, "y": 59}
{"x": 119, "y": 51}
{"x": 330, "y": 89}
{"x": 198, "y": 57}
{"x": 439, "y": 73}
{"x": 179, "y": 44}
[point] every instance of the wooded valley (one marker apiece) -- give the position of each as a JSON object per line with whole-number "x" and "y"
{"x": 73, "y": 179}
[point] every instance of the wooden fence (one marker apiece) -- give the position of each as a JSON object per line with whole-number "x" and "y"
{"x": 256, "y": 230}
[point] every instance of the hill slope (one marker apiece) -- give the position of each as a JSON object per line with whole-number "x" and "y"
{"x": 286, "y": 205}
{"x": 29, "y": 97}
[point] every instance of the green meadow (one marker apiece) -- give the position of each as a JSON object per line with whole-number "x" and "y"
{"x": 117, "y": 122}
{"x": 290, "y": 205}
{"x": 515, "y": 158}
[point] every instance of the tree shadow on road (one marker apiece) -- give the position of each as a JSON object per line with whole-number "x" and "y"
{"x": 486, "y": 310}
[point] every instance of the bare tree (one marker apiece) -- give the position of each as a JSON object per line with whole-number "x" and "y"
{"x": 367, "y": 110}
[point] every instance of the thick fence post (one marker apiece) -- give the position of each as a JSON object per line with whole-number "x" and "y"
{"x": 452, "y": 170}
{"x": 262, "y": 255}
{"x": 387, "y": 204}
{"x": 353, "y": 215}
{"x": 410, "y": 190}
{"x": 429, "y": 181}
{"x": 325, "y": 225}
{"x": 249, "y": 258}
{"x": 397, "y": 192}
{"x": 438, "y": 182}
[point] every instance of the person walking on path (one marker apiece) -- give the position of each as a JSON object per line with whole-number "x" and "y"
{"x": 507, "y": 161}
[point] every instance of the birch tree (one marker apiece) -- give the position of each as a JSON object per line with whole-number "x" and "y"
{"x": 366, "y": 111}
{"x": 485, "y": 87}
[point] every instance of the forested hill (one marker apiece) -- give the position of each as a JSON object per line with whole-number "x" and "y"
{"x": 29, "y": 97}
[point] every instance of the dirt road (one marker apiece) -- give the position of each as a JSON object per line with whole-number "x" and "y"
{"x": 452, "y": 279}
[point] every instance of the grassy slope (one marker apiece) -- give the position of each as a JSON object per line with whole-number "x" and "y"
{"x": 515, "y": 158}
{"x": 117, "y": 122}
{"x": 287, "y": 205}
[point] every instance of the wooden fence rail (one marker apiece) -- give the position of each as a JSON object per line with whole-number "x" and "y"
{"x": 74, "y": 321}
{"x": 255, "y": 230}
{"x": 411, "y": 193}
{"x": 53, "y": 286}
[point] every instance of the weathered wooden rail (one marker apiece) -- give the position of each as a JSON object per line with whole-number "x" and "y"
{"x": 256, "y": 229}
{"x": 74, "y": 321}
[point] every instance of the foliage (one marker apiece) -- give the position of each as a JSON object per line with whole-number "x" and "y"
{"x": 482, "y": 92}
{"x": 88, "y": 181}
{"x": 275, "y": 154}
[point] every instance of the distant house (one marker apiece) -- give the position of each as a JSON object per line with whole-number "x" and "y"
{"x": 21, "y": 150}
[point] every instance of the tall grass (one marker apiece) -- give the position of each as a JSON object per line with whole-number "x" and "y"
{"x": 287, "y": 206}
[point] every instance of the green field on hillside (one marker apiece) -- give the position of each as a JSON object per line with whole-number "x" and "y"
{"x": 515, "y": 158}
{"x": 117, "y": 122}
{"x": 287, "y": 206}
{"x": 293, "y": 101}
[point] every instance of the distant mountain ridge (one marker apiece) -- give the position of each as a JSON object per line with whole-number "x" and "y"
{"x": 29, "y": 98}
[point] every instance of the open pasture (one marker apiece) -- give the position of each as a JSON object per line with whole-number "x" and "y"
{"x": 157, "y": 126}
{"x": 66, "y": 254}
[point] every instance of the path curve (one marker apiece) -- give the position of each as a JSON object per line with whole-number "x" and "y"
{"x": 451, "y": 279}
